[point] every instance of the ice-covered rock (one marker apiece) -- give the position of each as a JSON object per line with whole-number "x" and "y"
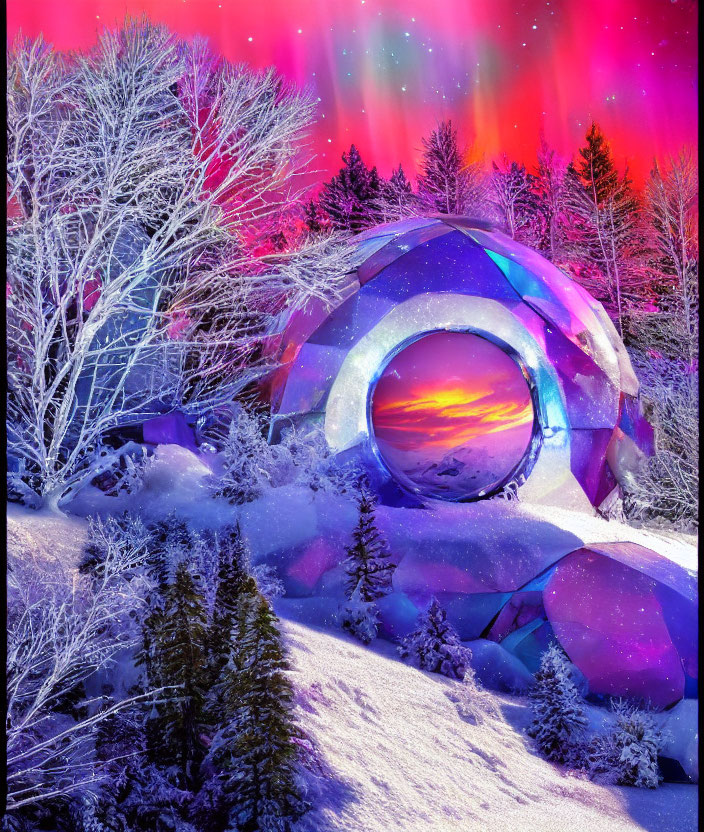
{"x": 497, "y": 669}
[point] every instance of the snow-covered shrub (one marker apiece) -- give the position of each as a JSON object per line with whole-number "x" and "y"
{"x": 435, "y": 645}
{"x": 474, "y": 703}
{"x": 126, "y": 531}
{"x": 64, "y": 627}
{"x": 314, "y": 464}
{"x": 628, "y": 754}
{"x": 368, "y": 565}
{"x": 268, "y": 581}
{"x": 559, "y": 719}
{"x": 359, "y": 618}
{"x": 248, "y": 460}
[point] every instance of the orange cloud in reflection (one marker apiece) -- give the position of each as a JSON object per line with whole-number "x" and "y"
{"x": 448, "y": 417}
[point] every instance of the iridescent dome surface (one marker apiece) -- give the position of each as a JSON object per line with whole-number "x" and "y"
{"x": 418, "y": 281}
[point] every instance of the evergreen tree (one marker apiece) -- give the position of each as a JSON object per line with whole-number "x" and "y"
{"x": 315, "y": 218}
{"x": 254, "y": 753}
{"x": 628, "y": 754}
{"x": 396, "y": 197}
{"x": 447, "y": 185}
{"x": 435, "y": 645}
{"x": 349, "y": 199}
{"x": 609, "y": 210}
{"x": 558, "y": 713}
{"x": 360, "y": 618}
{"x": 172, "y": 541}
{"x": 232, "y": 580}
{"x": 175, "y": 654}
{"x": 368, "y": 566}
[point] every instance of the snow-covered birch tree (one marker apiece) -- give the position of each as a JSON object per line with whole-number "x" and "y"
{"x": 144, "y": 178}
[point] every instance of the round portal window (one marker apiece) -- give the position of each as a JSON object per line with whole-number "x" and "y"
{"x": 452, "y": 416}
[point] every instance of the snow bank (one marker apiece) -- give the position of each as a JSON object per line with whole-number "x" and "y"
{"x": 394, "y": 754}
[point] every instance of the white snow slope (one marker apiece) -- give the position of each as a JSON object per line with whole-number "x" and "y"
{"x": 394, "y": 754}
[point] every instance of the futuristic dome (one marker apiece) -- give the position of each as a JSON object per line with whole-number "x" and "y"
{"x": 460, "y": 361}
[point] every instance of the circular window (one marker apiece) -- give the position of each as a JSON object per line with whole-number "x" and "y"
{"x": 452, "y": 416}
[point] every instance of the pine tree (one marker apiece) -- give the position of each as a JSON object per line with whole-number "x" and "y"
{"x": 175, "y": 654}
{"x": 435, "y": 645}
{"x": 609, "y": 210}
{"x": 255, "y": 754}
{"x": 558, "y": 713}
{"x": 349, "y": 198}
{"x": 315, "y": 218}
{"x": 447, "y": 185}
{"x": 232, "y": 580}
{"x": 396, "y": 197}
{"x": 628, "y": 754}
{"x": 368, "y": 566}
{"x": 360, "y": 618}
{"x": 172, "y": 541}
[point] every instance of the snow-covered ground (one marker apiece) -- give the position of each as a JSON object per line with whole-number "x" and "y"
{"x": 394, "y": 754}
{"x": 392, "y": 751}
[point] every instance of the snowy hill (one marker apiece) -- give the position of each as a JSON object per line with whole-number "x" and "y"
{"x": 395, "y": 755}
{"x": 391, "y": 750}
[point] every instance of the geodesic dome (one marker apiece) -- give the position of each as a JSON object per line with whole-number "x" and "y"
{"x": 460, "y": 362}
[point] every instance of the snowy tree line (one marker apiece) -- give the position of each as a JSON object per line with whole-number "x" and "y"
{"x": 158, "y": 240}
{"x": 205, "y": 737}
{"x": 635, "y": 251}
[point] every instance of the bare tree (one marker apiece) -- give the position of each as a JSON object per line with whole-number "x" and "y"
{"x": 667, "y": 484}
{"x": 141, "y": 276}
{"x": 550, "y": 188}
{"x": 671, "y": 207}
{"x": 63, "y": 628}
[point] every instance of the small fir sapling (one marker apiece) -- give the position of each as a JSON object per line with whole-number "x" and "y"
{"x": 368, "y": 566}
{"x": 360, "y": 618}
{"x": 435, "y": 645}
{"x": 473, "y": 702}
{"x": 559, "y": 719}
{"x": 627, "y": 754}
